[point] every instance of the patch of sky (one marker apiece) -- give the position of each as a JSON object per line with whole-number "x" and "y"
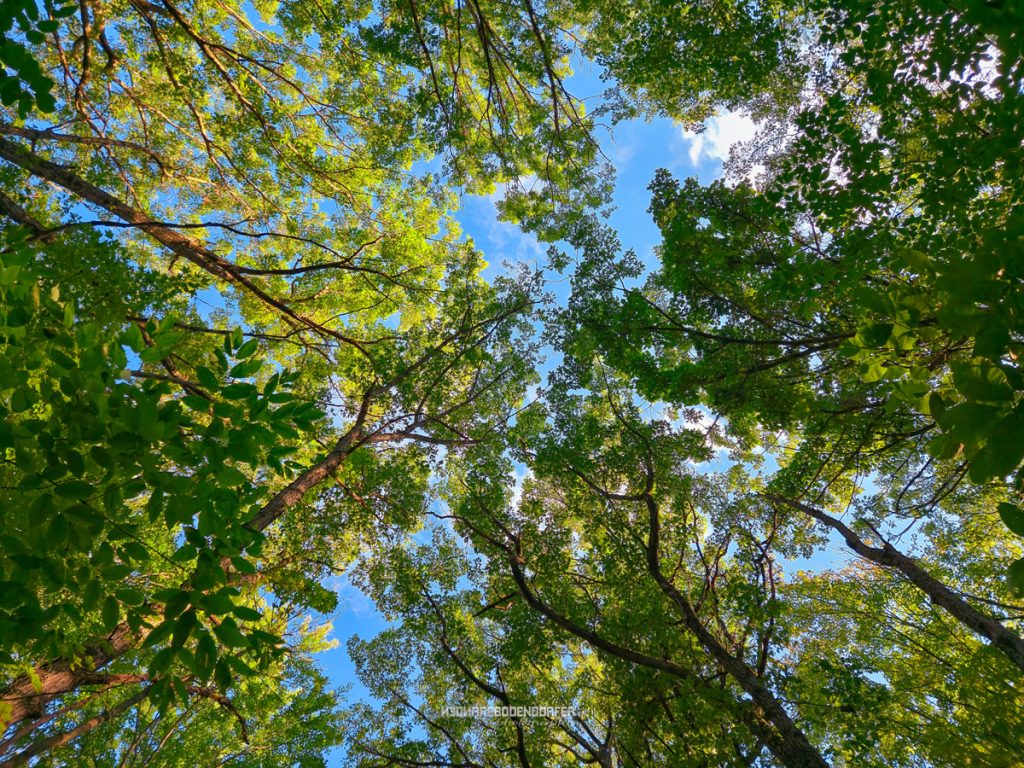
{"x": 636, "y": 149}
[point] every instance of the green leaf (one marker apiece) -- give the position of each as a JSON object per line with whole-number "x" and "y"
{"x": 183, "y": 627}
{"x": 229, "y": 634}
{"x": 176, "y": 603}
{"x": 1004, "y": 448}
{"x": 242, "y": 565}
{"x": 874, "y": 371}
{"x": 1015, "y": 577}
{"x": 62, "y": 360}
{"x": 222, "y": 675}
{"x": 84, "y": 514}
{"x": 987, "y": 464}
{"x": 238, "y": 391}
{"x": 134, "y": 339}
{"x": 247, "y": 349}
{"x": 101, "y": 456}
{"x": 197, "y": 403}
{"x": 218, "y": 604}
{"x": 161, "y": 662}
{"x": 21, "y": 400}
{"x": 75, "y": 489}
{"x": 8, "y": 275}
{"x": 981, "y": 381}
{"x": 57, "y": 532}
{"x": 877, "y": 301}
{"x": 206, "y": 656}
{"x": 1013, "y": 517}
{"x": 246, "y": 613}
{"x": 991, "y": 341}
{"x": 874, "y": 335}
{"x": 130, "y": 596}
{"x": 160, "y": 633}
{"x": 185, "y": 553}
{"x": 207, "y": 378}
{"x": 110, "y": 613}
{"x": 136, "y": 551}
{"x": 245, "y": 369}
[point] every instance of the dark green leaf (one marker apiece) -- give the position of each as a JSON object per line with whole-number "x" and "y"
{"x": 228, "y": 633}
{"x": 1013, "y": 517}
{"x": 1015, "y": 577}
{"x": 111, "y": 613}
{"x": 247, "y": 349}
{"x": 981, "y": 381}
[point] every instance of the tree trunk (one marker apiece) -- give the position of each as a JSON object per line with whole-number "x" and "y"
{"x": 1006, "y": 640}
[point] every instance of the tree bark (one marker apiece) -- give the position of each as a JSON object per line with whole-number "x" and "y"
{"x": 1006, "y": 640}
{"x": 58, "y": 678}
{"x": 60, "y": 739}
{"x": 179, "y": 244}
{"x": 787, "y": 742}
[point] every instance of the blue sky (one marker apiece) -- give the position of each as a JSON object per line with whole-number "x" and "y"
{"x": 636, "y": 149}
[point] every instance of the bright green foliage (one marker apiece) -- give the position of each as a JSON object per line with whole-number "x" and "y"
{"x": 824, "y": 317}
{"x": 116, "y": 491}
{"x": 278, "y": 339}
{"x": 868, "y": 294}
{"x": 907, "y": 688}
{"x": 22, "y": 81}
{"x": 685, "y": 60}
{"x": 286, "y": 716}
{"x": 246, "y": 349}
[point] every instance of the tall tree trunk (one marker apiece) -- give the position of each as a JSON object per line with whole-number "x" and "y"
{"x": 1006, "y": 640}
{"x": 60, "y": 739}
{"x": 28, "y": 697}
{"x": 787, "y": 742}
{"x": 182, "y": 245}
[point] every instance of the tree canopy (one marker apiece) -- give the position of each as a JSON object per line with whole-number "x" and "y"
{"x": 755, "y": 501}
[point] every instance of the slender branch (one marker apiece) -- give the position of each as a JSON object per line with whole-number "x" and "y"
{"x": 1009, "y": 642}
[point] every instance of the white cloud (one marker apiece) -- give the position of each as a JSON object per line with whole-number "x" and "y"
{"x": 352, "y": 601}
{"x": 719, "y": 135}
{"x": 625, "y": 143}
{"x": 499, "y": 240}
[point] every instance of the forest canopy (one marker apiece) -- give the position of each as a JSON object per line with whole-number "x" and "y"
{"x": 755, "y": 498}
